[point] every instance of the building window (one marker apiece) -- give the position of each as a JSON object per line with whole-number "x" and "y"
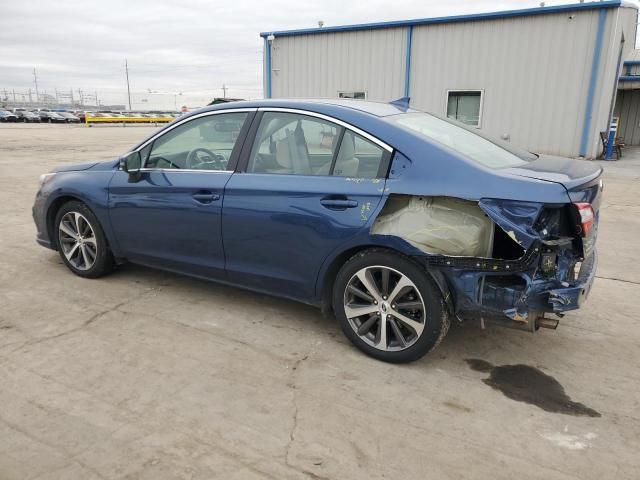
{"x": 354, "y": 95}
{"x": 465, "y": 106}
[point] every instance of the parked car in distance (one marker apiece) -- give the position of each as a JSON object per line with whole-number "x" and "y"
{"x": 6, "y": 116}
{"x": 51, "y": 117}
{"x": 28, "y": 117}
{"x": 397, "y": 221}
{"x": 69, "y": 117}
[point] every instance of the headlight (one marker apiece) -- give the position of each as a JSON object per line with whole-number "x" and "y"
{"x": 45, "y": 178}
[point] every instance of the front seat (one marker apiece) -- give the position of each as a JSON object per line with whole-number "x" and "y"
{"x": 291, "y": 157}
{"x": 347, "y": 164}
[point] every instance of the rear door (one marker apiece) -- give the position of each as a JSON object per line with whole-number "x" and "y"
{"x": 306, "y": 184}
{"x": 171, "y": 215}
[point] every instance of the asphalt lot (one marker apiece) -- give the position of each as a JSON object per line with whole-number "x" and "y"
{"x": 150, "y": 375}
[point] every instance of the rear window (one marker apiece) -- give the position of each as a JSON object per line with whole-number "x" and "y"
{"x": 487, "y": 152}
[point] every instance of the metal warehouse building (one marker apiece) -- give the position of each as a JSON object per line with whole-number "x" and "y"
{"x": 544, "y": 78}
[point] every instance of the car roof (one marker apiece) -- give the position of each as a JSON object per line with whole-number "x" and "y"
{"x": 378, "y": 109}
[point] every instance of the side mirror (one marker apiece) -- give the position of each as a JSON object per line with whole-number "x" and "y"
{"x": 132, "y": 163}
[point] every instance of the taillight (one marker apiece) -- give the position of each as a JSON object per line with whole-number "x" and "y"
{"x": 585, "y": 211}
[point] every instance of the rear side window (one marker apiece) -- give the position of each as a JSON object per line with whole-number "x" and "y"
{"x": 489, "y": 153}
{"x": 358, "y": 157}
{"x": 294, "y": 144}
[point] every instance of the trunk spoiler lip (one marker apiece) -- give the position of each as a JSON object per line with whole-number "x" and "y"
{"x": 568, "y": 184}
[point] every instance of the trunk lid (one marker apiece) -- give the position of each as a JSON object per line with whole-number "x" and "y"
{"x": 566, "y": 171}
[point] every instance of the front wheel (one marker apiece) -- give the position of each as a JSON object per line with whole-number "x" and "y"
{"x": 81, "y": 241}
{"x": 389, "y": 307}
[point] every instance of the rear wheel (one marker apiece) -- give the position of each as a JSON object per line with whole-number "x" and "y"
{"x": 389, "y": 307}
{"x": 81, "y": 241}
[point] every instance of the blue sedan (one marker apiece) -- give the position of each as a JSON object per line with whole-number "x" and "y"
{"x": 396, "y": 221}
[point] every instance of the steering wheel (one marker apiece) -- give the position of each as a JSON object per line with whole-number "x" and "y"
{"x": 194, "y": 160}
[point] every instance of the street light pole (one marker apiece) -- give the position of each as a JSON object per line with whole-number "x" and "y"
{"x": 126, "y": 69}
{"x": 35, "y": 79}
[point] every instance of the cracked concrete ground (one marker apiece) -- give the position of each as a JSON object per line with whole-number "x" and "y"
{"x": 150, "y": 375}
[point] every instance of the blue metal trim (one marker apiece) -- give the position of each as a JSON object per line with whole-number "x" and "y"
{"x": 595, "y": 67}
{"x": 451, "y": 19}
{"x": 629, "y": 78}
{"x": 267, "y": 68}
{"x": 407, "y": 62}
{"x": 631, "y": 62}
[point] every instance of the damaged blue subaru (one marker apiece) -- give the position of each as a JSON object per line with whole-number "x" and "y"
{"x": 396, "y": 221}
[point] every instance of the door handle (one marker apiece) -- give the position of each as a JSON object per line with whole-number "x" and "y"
{"x": 338, "y": 203}
{"x": 205, "y": 197}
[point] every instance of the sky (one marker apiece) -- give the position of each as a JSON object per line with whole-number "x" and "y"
{"x": 178, "y": 52}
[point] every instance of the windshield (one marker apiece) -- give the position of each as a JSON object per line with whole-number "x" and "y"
{"x": 487, "y": 152}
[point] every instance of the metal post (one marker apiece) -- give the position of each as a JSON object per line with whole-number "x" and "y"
{"x": 126, "y": 69}
{"x": 611, "y": 139}
{"x": 35, "y": 79}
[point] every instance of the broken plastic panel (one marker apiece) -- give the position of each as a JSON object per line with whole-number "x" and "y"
{"x": 438, "y": 225}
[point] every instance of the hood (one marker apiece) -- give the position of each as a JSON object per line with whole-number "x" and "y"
{"x": 95, "y": 165}
{"x": 565, "y": 171}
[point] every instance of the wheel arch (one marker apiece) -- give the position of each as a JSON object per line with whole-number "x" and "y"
{"x": 55, "y": 206}
{"x": 327, "y": 276}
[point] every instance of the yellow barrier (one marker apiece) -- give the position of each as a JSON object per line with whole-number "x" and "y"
{"x": 89, "y": 120}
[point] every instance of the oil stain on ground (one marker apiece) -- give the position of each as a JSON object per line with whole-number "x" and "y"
{"x": 527, "y": 384}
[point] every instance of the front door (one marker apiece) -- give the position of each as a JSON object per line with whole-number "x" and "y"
{"x": 308, "y": 186}
{"x": 171, "y": 215}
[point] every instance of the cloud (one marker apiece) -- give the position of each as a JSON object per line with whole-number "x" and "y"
{"x": 191, "y": 47}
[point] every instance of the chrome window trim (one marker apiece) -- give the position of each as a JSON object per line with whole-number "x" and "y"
{"x": 177, "y": 124}
{"x": 321, "y": 116}
{"x": 183, "y": 170}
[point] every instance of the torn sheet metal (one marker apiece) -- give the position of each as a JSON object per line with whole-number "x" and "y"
{"x": 515, "y": 218}
{"x": 437, "y": 225}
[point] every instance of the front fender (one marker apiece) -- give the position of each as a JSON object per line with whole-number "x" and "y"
{"x": 89, "y": 187}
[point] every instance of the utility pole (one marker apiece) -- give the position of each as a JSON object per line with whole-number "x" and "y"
{"x": 126, "y": 69}
{"x": 35, "y": 79}
{"x": 80, "y": 96}
{"x": 30, "y": 99}
{"x": 14, "y": 95}
{"x": 224, "y": 91}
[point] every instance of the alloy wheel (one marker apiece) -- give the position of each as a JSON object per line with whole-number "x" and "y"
{"x": 77, "y": 241}
{"x": 384, "y": 308}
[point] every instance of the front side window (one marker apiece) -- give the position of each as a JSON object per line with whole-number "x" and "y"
{"x": 464, "y": 106}
{"x": 205, "y": 143}
{"x": 294, "y": 144}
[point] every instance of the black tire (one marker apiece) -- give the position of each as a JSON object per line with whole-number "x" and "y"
{"x": 435, "y": 316}
{"x": 103, "y": 262}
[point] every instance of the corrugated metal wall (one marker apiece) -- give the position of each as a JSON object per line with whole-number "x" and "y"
{"x": 534, "y": 71}
{"x": 323, "y": 65}
{"x": 628, "y": 110}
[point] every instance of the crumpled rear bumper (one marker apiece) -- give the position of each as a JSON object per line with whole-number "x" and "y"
{"x": 571, "y": 297}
